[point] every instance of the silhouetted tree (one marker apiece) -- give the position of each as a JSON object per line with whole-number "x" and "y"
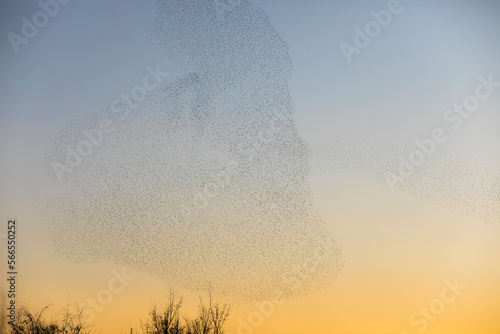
{"x": 166, "y": 321}
{"x": 210, "y": 320}
{"x": 70, "y": 322}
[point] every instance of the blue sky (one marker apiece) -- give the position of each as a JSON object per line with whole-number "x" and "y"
{"x": 424, "y": 61}
{"x": 429, "y": 54}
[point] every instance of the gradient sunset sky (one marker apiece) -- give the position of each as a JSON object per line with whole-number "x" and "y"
{"x": 399, "y": 249}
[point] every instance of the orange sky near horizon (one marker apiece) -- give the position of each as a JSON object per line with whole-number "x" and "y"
{"x": 399, "y": 252}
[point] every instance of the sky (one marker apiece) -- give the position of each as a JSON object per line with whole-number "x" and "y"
{"x": 400, "y": 249}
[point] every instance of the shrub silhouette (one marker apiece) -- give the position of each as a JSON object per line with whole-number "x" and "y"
{"x": 70, "y": 322}
{"x": 210, "y": 320}
{"x": 165, "y": 320}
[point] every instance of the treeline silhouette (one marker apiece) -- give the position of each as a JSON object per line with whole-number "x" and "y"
{"x": 166, "y": 319}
